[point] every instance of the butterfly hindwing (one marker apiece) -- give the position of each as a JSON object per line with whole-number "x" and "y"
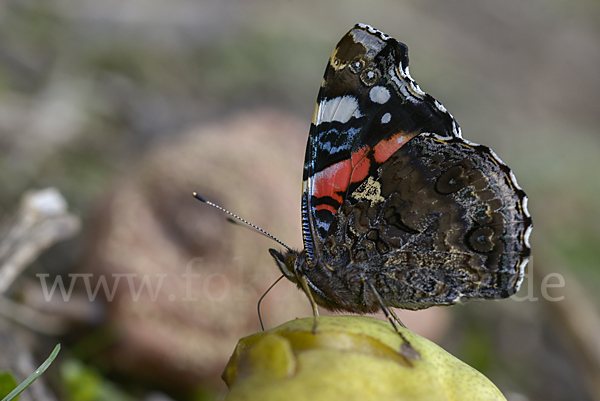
{"x": 441, "y": 220}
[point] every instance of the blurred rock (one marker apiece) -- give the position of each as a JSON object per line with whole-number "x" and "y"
{"x": 182, "y": 330}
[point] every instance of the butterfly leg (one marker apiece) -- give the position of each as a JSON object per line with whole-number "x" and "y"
{"x": 396, "y": 318}
{"x": 313, "y": 304}
{"x": 407, "y": 349}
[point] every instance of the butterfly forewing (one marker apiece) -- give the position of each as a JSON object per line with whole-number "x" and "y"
{"x": 367, "y": 108}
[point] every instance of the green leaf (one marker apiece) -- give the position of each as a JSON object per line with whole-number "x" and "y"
{"x": 7, "y": 383}
{"x": 85, "y": 383}
{"x": 13, "y": 394}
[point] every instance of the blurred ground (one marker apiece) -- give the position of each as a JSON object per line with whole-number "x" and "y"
{"x": 93, "y": 95}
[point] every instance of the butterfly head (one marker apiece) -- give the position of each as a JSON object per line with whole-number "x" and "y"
{"x": 289, "y": 263}
{"x": 294, "y": 266}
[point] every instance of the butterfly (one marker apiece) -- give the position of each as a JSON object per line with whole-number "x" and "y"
{"x": 398, "y": 210}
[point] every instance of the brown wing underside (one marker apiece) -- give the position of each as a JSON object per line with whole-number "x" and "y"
{"x": 444, "y": 219}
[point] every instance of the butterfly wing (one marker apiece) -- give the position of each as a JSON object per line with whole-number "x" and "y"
{"x": 368, "y": 107}
{"x": 392, "y": 192}
{"x": 442, "y": 219}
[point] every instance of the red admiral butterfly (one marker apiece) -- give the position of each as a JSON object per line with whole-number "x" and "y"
{"x": 398, "y": 210}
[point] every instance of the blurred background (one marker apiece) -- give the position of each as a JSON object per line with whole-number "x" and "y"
{"x": 126, "y": 107}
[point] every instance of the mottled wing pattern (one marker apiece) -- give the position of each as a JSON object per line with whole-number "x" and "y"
{"x": 367, "y": 108}
{"x": 440, "y": 220}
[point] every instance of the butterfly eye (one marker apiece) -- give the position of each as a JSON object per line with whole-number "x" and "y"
{"x": 370, "y": 76}
{"x": 290, "y": 262}
{"x": 356, "y": 65}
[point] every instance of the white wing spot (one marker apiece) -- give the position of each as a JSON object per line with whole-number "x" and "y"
{"x": 386, "y": 118}
{"x": 379, "y": 94}
{"x": 340, "y": 109}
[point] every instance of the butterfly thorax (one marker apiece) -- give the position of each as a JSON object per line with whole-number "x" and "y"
{"x": 330, "y": 287}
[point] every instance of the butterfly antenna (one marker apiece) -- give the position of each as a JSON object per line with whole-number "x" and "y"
{"x": 260, "y": 230}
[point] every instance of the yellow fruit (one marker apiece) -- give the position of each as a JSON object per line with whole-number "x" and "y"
{"x": 348, "y": 358}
